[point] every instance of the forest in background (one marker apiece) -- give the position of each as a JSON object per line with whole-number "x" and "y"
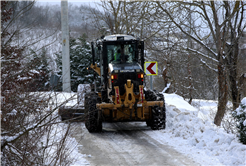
{"x": 182, "y": 40}
{"x": 183, "y": 70}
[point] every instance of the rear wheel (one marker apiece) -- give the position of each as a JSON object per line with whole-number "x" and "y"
{"x": 157, "y": 118}
{"x": 93, "y": 121}
{"x": 160, "y": 97}
{"x": 149, "y": 96}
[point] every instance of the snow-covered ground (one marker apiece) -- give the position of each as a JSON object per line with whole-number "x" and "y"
{"x": 189, "y": 130}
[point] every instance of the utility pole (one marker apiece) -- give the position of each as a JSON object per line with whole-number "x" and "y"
{"x": 189, "y": 58}
{"x": 65, "y": 47}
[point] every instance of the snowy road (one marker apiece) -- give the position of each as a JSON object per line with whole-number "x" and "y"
{"x": 126, "y": 144}
{"x": 190, "y": 138}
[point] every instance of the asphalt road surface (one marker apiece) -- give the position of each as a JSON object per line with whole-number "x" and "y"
{"x": 126, "y": 144}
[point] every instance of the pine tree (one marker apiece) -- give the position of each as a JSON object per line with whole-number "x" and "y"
{"x": 40, "y": 71}
{"x": 80, "y": 60}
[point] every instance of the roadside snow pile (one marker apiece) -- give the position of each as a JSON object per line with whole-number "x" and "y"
{"x": 60, "y": 130}
{"x": 184, "y": 121}
{"x": 178, "y": 102}
{"x": 63, "y": 142}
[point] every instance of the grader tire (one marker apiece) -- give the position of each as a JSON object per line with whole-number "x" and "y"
{"x": 160, "y": 97}
{"x": 150, "y": 96}
{"x": 157, "y": 119}
{"x": 93, "y": 121}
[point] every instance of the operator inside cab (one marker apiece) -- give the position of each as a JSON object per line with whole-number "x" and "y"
{"x": 121, "y": 52}
{"x": 117, "y": 53}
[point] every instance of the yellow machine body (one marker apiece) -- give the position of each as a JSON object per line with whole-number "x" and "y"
{"x": 129, "y": 106}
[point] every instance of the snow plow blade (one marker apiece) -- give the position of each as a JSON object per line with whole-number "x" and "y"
{"x": 74, "y": 113}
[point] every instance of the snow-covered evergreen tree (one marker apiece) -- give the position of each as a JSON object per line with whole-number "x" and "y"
{"x": 240, "y": 115}
{"x": 80, "y": 60}
{"x": 40, "y": 71}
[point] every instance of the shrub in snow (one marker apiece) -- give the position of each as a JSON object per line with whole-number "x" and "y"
{"x": 240, "y": 115}
{"x": 29, "y": 132}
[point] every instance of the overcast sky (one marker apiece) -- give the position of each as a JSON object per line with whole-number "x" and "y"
{"x": 75, "y": 2}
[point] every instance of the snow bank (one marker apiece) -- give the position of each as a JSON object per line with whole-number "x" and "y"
{"x": 178, "y": 102}
{"x": 184, "y": 123}
{"x": 70, "y": 146}
{"x": 62, "y": 98}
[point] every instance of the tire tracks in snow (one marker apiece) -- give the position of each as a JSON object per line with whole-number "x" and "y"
{"x": 126, "y": 144}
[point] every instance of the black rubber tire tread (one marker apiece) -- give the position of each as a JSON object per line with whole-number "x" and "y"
{"x": 155, "y": 118}
{"x": 163, "y": 109}
{"x": 159, "y": 114}
{"x": 93, "y": 121}
{"x": 149, "y": 96}
{"x": 158, "y": 119}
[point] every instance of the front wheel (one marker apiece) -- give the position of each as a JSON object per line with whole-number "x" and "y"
{"x": 93, "y": 121}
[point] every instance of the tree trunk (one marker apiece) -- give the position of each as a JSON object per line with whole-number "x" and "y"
{"x": 242, "y": 86}
{"x": 233, "y": 76}
{"x": 165, "y": 77}
{"x": 234, "y": 89}
{"x": 223, "y": 95}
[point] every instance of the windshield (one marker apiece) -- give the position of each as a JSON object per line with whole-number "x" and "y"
{"x": 115, "y": 53}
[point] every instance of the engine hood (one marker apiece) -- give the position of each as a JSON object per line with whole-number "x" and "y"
{"x": 125, "y": 67}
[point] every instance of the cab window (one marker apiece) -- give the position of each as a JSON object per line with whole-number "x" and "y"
{"x": 114, "y": 53}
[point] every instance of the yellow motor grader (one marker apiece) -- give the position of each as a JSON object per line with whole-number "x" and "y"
{"x": 122, "y": 95}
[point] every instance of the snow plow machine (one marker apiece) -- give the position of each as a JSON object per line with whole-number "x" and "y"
{"x": 121, "y": 96}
